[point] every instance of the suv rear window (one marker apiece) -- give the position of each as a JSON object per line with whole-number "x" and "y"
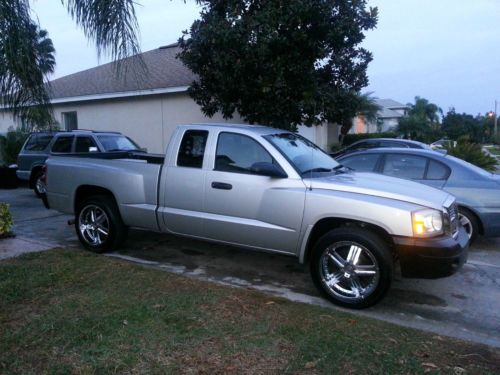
{"x": 38, "y": 142}
{"x": 63, "y": 144}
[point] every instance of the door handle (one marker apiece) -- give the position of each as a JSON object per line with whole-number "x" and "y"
{"x": 221, "y": 186}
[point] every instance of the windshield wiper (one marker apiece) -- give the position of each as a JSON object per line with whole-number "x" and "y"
{"x": 317, "y": 170}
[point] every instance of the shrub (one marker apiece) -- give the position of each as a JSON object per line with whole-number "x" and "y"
{"x": 5, "y": 220}
{"x": 474, "y": 154}
{"x": 351, "y": 138}
{"x": 11, "y": 145}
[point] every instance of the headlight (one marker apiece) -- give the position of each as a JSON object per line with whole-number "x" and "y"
{"x": 427, "y": 223}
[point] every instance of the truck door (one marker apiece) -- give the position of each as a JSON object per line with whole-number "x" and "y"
{"x": 249, "y": 209}
{"x": 183, "y": 186}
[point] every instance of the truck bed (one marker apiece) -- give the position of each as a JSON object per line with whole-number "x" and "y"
{"x": 132, "y": 178}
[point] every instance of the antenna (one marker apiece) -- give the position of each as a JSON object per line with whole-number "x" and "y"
{"x": 311, "y": 168}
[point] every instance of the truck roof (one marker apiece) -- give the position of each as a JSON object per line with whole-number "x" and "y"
{"x": 258, "y": 129}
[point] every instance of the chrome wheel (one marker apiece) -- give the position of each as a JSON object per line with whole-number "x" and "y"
{"x": 467, "y": 224}
{"x": 94, "y": 225}
{"x": 349, "y": 270}
{"x": 40, "y": 186}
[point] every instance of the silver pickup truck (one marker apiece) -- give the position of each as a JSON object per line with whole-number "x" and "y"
{"x": 270, "y": 190}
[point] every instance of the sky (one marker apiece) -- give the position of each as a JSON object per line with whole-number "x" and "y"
{"x": 447, "y": 51}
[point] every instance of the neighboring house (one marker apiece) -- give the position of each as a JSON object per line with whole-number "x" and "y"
{"x": 387, "y": 118}
{"x": 146, "y": 107}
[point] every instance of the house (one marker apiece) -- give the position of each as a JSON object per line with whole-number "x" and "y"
{"x": 387, "y": 118}
{"x": 146, "y": 107}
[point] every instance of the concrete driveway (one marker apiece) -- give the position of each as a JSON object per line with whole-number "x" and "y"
{"x": 466, "y": 305}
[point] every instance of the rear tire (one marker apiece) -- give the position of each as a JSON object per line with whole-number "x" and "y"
{"x": 98, "y": 224}
{"x": 352, "y": 267}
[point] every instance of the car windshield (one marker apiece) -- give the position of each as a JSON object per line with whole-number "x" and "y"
{"x": 304, "y": 155}
{"x": 117, "y": 143}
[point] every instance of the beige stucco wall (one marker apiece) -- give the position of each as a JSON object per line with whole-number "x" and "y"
{"x": 151, "y": 120}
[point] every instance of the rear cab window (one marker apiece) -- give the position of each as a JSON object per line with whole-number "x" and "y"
{"x": 192, "y": 149}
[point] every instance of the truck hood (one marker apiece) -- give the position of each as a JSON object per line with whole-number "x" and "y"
{"x": 382, "y": 186}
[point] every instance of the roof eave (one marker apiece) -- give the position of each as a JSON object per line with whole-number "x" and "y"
{"x": 117, "y": 95}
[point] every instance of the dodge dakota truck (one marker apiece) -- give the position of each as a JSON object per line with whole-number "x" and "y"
{"x": 269, "y": 190}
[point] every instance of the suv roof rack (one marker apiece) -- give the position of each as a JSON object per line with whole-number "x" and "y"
{"x": 93, "y": 131}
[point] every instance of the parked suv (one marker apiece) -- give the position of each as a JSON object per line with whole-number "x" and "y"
{"x": 40, "y": 145}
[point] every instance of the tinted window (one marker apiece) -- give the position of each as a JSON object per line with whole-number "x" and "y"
{"x": 405, "y": 166}
{"x": 83, "y": 144}
{"x": 361, "y": 163}
{"x": 437, "y": 171}
{"x": 237, "y": 153}
{"x": 63, "y": 144}
{"x": 192, "y": 149}
{"x": 38, "y": 142}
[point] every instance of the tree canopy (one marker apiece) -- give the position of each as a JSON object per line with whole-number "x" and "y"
{"x": 279, "y": 63}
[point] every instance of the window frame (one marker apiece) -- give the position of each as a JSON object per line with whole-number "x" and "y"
{"x": 63, "y": 118}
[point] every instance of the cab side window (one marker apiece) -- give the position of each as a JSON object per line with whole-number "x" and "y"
{"x": 63, "y": 144}
{"x": 192, "y": 149}
{"x": 237, "y": 153}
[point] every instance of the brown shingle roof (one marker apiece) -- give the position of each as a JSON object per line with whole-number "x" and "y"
{"x": 163, "y": 70}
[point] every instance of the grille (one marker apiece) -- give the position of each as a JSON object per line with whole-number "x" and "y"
{"x": 452, "y": 218}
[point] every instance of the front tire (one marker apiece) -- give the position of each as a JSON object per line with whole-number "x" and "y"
{"x": 38, "y": 185}
{"x": 352, "y": 267}
{"x": 469, "y": 222}
{"x": 98, "y": 224}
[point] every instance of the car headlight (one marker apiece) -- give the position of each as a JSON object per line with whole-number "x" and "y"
{"x": 427, "y": 223}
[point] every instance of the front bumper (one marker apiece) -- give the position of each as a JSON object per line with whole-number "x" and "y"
{"x": 23, "y": 175}
{"x": 432, "y": 258}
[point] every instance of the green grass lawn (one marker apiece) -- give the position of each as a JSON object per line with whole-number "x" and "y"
{"x": 72, "y": 312}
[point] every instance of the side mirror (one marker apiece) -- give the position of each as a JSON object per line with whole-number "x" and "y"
{"x": 93, "y": 149}
{"x": 268, "y": 169}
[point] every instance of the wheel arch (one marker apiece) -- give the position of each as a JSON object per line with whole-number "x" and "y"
{"x": 325, "y": 225}
{"x": 85, "y": 191}
{"x": 34, "y": 170}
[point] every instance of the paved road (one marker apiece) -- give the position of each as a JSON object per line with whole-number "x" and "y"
{"x": 465, "y": 305}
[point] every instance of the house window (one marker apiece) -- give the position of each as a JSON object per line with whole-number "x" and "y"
{"x": 70, "y": 120}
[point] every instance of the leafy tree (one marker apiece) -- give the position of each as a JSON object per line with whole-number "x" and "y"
{"x": 477, "y": 129}
{"x": 473, "y": 153}
{"x": 26, "y": 52}
{"x": 422, "y": 122}
{"x": 279, "y": 63}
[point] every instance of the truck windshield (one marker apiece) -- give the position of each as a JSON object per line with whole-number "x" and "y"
{"x": 117, "y": 143}
{"x": 305, "y": 156}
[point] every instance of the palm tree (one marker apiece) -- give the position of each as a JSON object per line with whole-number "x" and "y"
{"x": 27, "y": 54}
